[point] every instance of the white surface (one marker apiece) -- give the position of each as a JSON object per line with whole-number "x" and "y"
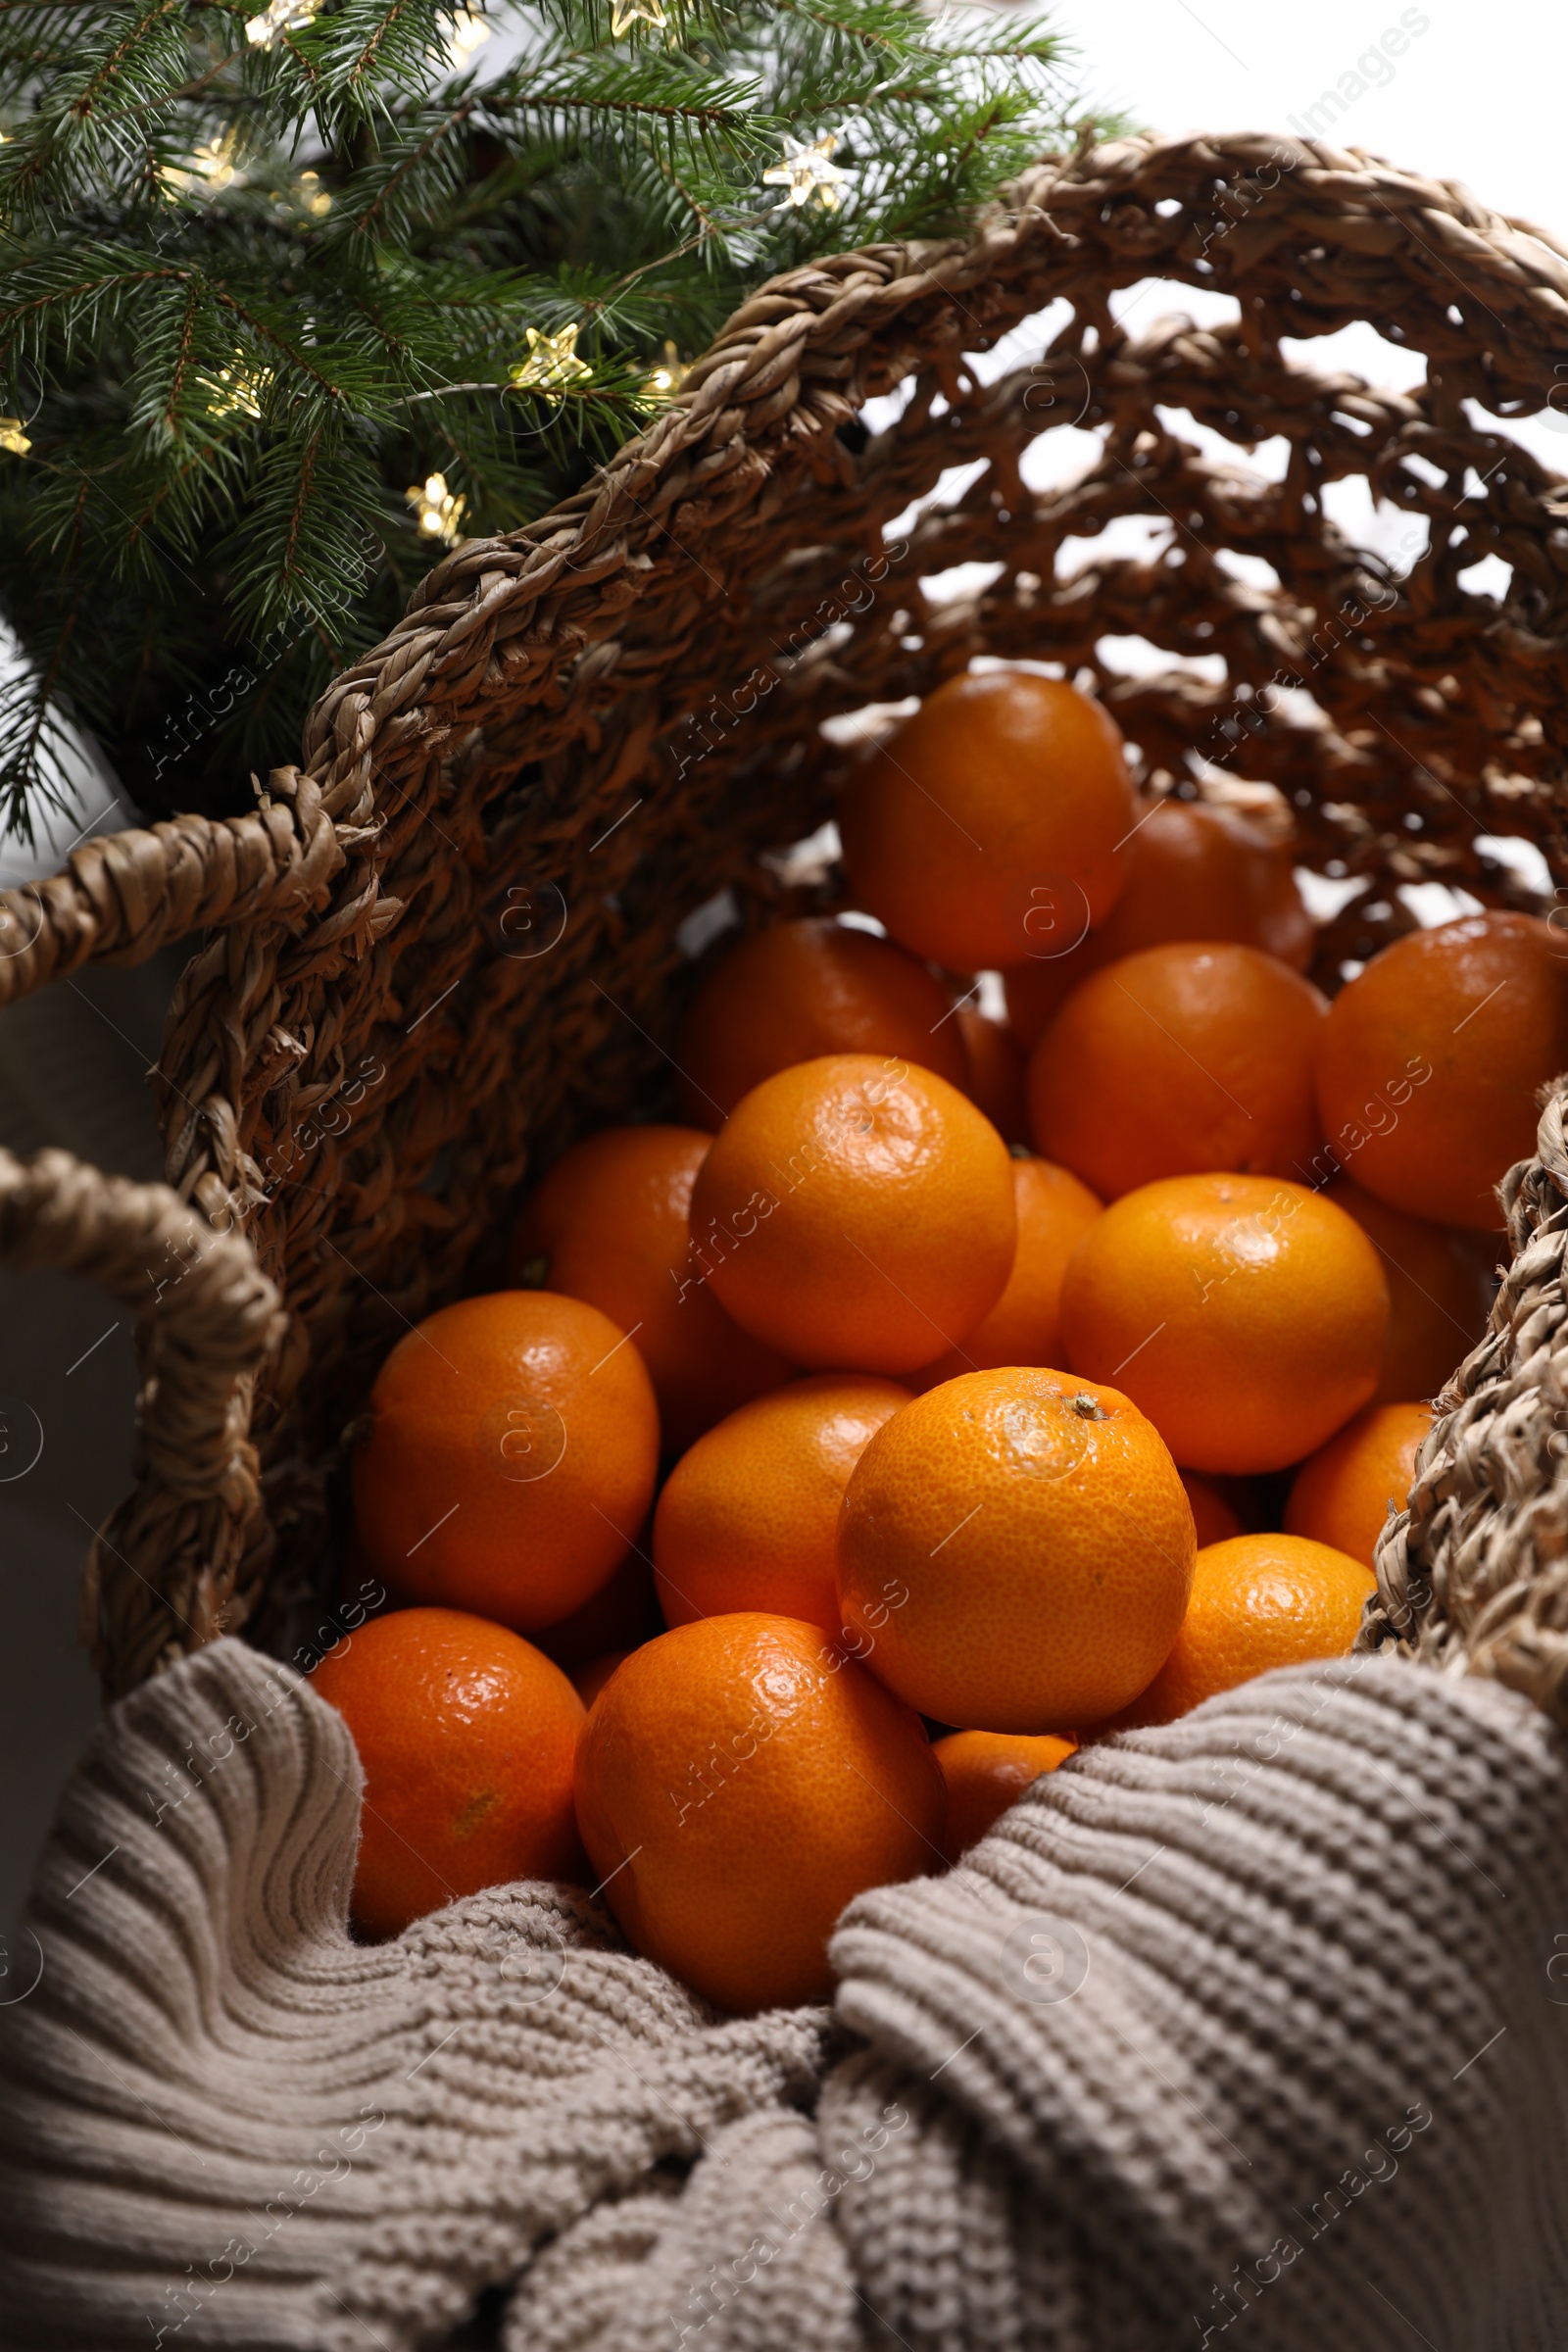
{"x": 1477, "y": 97}
{"x": 96, "y": 805}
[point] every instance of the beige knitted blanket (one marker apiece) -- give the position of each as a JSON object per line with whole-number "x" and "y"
{"x": 1252, "y": 2029}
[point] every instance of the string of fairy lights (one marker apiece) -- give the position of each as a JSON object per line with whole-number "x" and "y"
{"x": 805, "y": 172}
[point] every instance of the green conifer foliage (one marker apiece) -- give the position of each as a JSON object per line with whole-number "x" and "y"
{"x": 263, "y": 269}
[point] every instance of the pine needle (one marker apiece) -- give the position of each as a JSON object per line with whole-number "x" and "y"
{"x": 261, "y": 266}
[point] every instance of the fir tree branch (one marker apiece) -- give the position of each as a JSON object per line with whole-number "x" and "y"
{"x": 367, "y": 222}
{"x": 188, "y": 344}
{"x": 47, "y": 686}
{"x": 301, "y": 506}
{"x": 82, "y": 104}
{"x": 248, "y": 292}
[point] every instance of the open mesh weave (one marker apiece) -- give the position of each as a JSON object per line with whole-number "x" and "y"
{"x": 449, "y": 938}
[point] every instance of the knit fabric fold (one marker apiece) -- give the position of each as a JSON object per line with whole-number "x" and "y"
{"x": 1289, "y": 2066}
{"x": 1249, "y": 2027}
{"x": 226, "y": 2120}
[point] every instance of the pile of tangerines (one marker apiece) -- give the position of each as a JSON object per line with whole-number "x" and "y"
{"x": 950, "y": 1391}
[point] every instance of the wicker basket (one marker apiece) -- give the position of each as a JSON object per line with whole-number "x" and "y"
{"x": 450, "y": 939}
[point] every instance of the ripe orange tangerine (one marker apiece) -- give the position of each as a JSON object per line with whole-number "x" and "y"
{"x": 739, "y": 1780}
{"x": 1429, "y": 1064}
{"x": 1024, "y": 1327}
{"x": 1344, "y": 1493}
{"x": 749, "y": 1518}
{"x": 1014, "y": 1551}
{"x": 590, "y": 1680}
{"x": 1194, "y": 872}
{"x": 987, "y": 1772}
{"x": 1006, "y": 794}
{"x": 797, "y": 991}
{"x": 610, "y": 1224}
{"x": 1259, "y": 1602}
{"x": 996, "y": 1073}
{"x": 620, "y": 1614}
{"x": 1439, "y": 1292}
{"x": 1177, "y": 1060}
{"x": 1214, "y": 1517}
{"x": 1245, "y": 1315}
{"x": 512, "y": 1450}
{"x": 468, "y": 1735}
{"x": 856, "y": 1215}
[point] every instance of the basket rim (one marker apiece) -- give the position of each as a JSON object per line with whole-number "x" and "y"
{"x": 309, "y": 848}
{"x": 533, "y": 627}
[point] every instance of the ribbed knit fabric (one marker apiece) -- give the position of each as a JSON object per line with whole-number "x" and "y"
{"x": 1245, "y": 2029}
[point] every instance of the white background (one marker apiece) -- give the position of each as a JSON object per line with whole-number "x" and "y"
{"x": 1477, "y": 97}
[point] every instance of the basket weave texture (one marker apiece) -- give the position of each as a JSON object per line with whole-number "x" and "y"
{"x": 447, "y": 941}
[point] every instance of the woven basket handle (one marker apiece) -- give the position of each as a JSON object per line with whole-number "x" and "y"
{"x": 162, "y": 1573}
{"x": 119, "y": 899}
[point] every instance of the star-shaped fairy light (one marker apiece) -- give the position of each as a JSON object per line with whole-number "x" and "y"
{"x": 212, "y": 167}
{"x": 808, "y": 173}
{"x": 279, "y": 15}
{"x": 627, "y": 12}
{"x": 668, "y": 376}
{"x": 236, "y": 390}
{"x": 12, "y": 437}
{"x": 435, "y": 511}
{"x": 552, "y": 362}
